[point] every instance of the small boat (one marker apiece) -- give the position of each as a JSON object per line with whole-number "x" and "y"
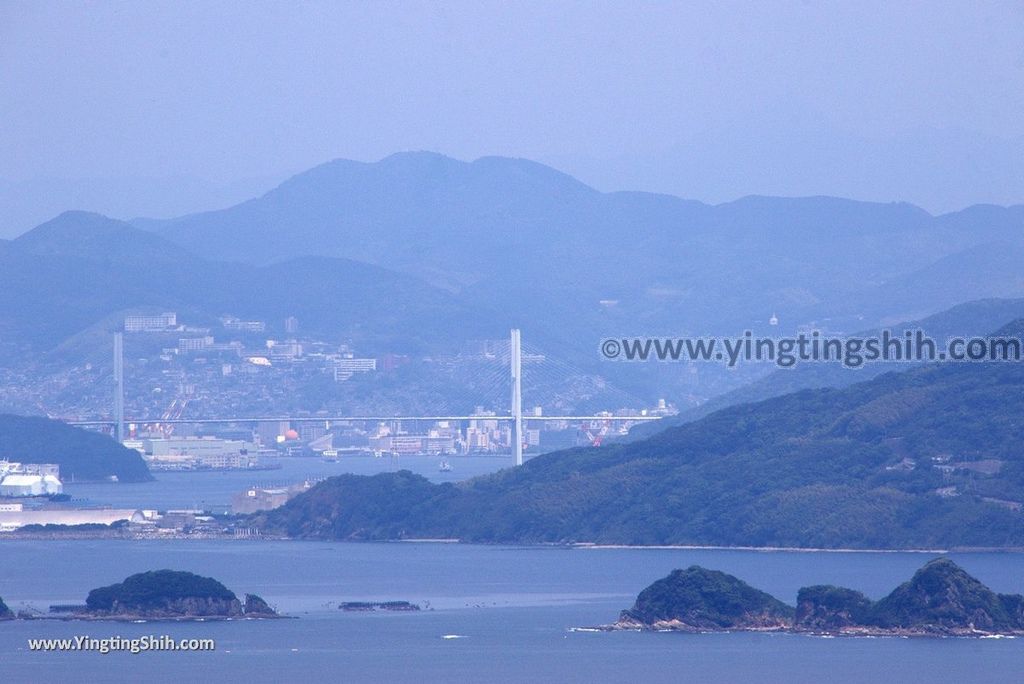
{"x": 445, "y": 467}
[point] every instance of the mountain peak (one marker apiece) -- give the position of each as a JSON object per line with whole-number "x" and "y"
{"x": 512, "y": 167}
{"x": 818, "y": 210}
{"x": 942, "y": 594}
{"x": 79, "y": 221}
{"x": 423, "y": 170}
{"x": 698, "y": 599}
{"x": 419, "y": 157}
{"x": 91, "y": 235}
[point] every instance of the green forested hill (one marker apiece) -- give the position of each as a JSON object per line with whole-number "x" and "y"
{"x": 81, "y": 455}
{"x": 928, "y": 458}
{"x": 964, "y": 320}
{"x": 155, "y": 589}
{"x": 699, "y": 598}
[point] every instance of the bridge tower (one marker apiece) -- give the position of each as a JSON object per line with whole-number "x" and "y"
{"x": 119, "y": 385}
{"x": 516, "y": 360}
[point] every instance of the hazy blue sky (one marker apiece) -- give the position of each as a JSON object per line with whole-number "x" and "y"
{"x": 712, "y": 101}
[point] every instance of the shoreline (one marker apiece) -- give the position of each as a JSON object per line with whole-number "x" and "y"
{"x": 851, "y": 633}
{"x": 71, "y": 536}
{"x": 120, "y": 535}
{"x": 143, "y": 618}
{"x": 786, "y": 549}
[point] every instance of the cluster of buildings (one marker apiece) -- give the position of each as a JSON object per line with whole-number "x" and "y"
{"x": 29, "y": 479}
{"x": 257, "y": 499}
{"x": 259, "y": 445}
{"x": 138, "y": 523}
{"x": 16, "y": 515}
{"x": 236, "y": 367}
{"x": 481, "y": 435}
{"x": 196, "y": 453}
{"x": 338, "y": 360}
{"x": 26, "y": 491}
{"x": 238, "y": 325}
{"x": 160, "y": 323}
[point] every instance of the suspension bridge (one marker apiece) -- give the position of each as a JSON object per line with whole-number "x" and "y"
{"x": 495, "y": 368}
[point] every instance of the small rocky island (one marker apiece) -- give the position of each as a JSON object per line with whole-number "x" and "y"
{"x": 170, "y": 595}
{"x": 5, "y": 612}
{"x": 941, "y": 599}
{"x": 700, "y": 600}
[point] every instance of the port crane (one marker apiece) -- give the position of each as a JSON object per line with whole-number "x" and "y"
{"x": 595, "y": 440}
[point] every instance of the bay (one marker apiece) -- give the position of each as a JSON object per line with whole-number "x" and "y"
{"x": 512, "y": 607}
{"x": 212, "y": 490}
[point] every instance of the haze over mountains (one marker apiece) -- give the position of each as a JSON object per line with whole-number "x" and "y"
{"x": 529, "y": 239}
{"x": 79, "y": 268}
{"x": 29, "y": 202}
{"x": 421, "y": 251}
{"x": 963, "y": 320}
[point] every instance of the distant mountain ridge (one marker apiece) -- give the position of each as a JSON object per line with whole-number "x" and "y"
{"x": 420, "y": 251}
{"x": 94, "y": 236}
{"x": 968, "y": 319}
{"x": 82, "y": 267}
{"x": 528, "y": 238}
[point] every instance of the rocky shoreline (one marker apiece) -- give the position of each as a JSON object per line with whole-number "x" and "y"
{"x": 86, "y": 617}
{"x": 853, "y": 632}
{"x": 160, "y": 595}
{"x": 940, "y": 600}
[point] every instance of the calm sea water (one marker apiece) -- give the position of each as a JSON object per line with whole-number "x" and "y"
{"x": 213, "y": 490}
{"x": 512, "y": 607}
